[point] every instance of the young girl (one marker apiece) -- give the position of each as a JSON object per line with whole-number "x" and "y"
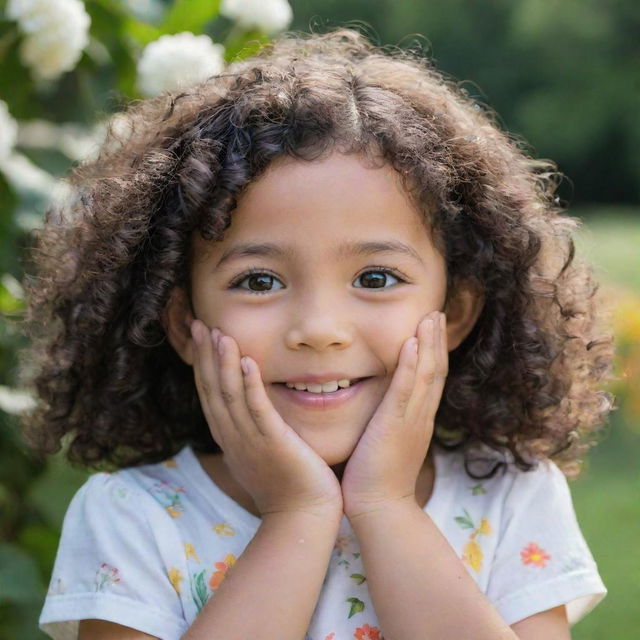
{"x": 320, "y": 324}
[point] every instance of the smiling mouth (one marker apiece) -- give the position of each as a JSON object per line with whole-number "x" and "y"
{"x": 353, "y": 383}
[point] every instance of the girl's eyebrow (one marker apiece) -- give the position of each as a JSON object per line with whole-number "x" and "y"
{"x": 343, "y": 250}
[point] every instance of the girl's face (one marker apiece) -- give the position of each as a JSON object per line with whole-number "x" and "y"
{"x": 325, "y": 271}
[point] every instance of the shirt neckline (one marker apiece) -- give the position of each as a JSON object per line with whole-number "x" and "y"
{"x": 211, "y": 492}
{"x": 218, "y": 499}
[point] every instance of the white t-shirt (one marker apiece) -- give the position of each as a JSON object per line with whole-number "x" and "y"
{"x": 147, "y": 546}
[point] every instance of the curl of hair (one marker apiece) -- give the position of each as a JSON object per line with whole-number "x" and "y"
{"x": 527, "y": 381}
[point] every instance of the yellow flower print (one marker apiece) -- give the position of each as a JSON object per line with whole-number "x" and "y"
{"x": 484, "y": 528}
{"x": 223, "y": 529}
{"x": 175, "y": 577}
{"x": 170, "y": 463}
{"x": 169, "y": 497}
{"x": 190, "y": 551}
{"x": 473, "y": 555}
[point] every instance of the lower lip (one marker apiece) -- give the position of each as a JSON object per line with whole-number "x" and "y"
{"x": 321, "y": 400}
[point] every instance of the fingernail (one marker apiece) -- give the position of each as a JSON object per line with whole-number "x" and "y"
{"x": 220, "y": 345}
{"x": 215, "y": 334}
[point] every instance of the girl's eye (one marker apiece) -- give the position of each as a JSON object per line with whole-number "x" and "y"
{"x": 262, "y": 281}
{"x": 375, "y": 278}
{"x": 258, "y": 281}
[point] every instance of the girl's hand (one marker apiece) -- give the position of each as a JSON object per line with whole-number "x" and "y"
{"x": 384, "y": 467}
{"x": 264, "y": 454}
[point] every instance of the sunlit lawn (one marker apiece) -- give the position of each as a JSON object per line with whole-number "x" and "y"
{"x": 607, "y": 495}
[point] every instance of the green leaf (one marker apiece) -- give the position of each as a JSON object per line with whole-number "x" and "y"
{"x": 9, "y": 303}
{"x": 356, "y": 606}
{"x": 199, "y": 590}
{"x": 478, "y": 489}
{"x": 189, "y": 15}
{"x": 465, "y": 521}
{"x": 241, "y": 43}
{"x": 19, "y": 579}
{"x": 140, "y": 32}
{"x": 358, "y": 578}
{"x": 53, "y": 490}
{"x": 41, "y": 543}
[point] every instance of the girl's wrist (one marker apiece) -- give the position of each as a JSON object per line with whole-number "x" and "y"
{"x": 326, "y": 518}
{"x": 360, "y": 514}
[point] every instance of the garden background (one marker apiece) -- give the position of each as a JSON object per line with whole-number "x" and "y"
{"x": 563, "y": 74}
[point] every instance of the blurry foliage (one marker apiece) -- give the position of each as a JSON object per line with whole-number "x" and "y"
{"x": 34, "y": 494}
{"x": 562, "y": 74}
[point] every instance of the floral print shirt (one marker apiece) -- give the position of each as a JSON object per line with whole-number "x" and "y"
{"x": 146, "y": 547}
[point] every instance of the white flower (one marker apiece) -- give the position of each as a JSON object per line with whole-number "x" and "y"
{"x": 15, "y": 401}
{"x": 8, "y": 131}
{"x": 175, "y": 61}
{"x": 268, "y": 15}
{"x": 56, "y": 32}
{"x": 145, "y": 10}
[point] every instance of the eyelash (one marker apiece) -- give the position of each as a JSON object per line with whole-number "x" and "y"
{"x": 376, "y": 269}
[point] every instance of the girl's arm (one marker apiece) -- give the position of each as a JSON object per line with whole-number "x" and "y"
{"x": 421, "y": 589}
{"x": 272, "y": 590}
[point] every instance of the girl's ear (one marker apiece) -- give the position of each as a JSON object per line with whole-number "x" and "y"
{"x": 176, "y": 320}
{"x": 462, "y": 311}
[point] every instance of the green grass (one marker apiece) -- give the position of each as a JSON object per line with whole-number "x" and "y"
{"x": 607, "y": 494}
{"x": 610, "y": 238}
{"x": 606, "y": 499}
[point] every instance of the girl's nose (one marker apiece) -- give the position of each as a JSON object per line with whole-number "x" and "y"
{"x": 318, "y": 323}
{"x": 318, "y": 334}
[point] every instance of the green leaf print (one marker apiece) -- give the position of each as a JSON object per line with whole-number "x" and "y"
{"x": 358, "y": 577}
{"x": 356, "y": 555}
{"x": 465, "y": 521}
{"x": 356, "y": 606}
{"x": 478, "y": 490}
{"x": 199, "y": 590}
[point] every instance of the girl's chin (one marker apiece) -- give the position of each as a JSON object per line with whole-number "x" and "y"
{"x": 335, "y": 454}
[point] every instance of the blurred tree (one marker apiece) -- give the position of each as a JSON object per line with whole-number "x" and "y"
{"x": 562, "y": 74}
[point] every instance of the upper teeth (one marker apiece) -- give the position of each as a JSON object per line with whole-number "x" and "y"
{"x": 325, "y": 387}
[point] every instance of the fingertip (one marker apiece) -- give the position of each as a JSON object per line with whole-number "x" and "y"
{"x": 245, "y": 365}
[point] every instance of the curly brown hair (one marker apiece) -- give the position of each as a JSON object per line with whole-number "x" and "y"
{"x": 527, "y": 379}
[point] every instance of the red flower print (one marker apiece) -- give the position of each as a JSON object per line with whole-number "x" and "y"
{"x": 532, "y": 554}
{"x": 221, "y": 571}
{"x": 331, "y": 636}
{"x": 366, "y": 632}
{"x": 106, "y": 576}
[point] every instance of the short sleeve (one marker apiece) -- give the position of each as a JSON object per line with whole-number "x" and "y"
{"x": 542, "y": 559}
{"x": 114, "y": 563}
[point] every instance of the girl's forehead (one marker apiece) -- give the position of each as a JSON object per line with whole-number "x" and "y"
{"x": 341, "y": 189}
{"x": 335, "y": 203}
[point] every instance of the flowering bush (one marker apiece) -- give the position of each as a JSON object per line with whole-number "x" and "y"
{"x": 268, "y": 15}
{"x": 179, "y": 60}
{"x": 56, "y": 32}
{"x": 626, "y": 321}
{"x": 8, "y": 131}
{"x": 64, "y": 66}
